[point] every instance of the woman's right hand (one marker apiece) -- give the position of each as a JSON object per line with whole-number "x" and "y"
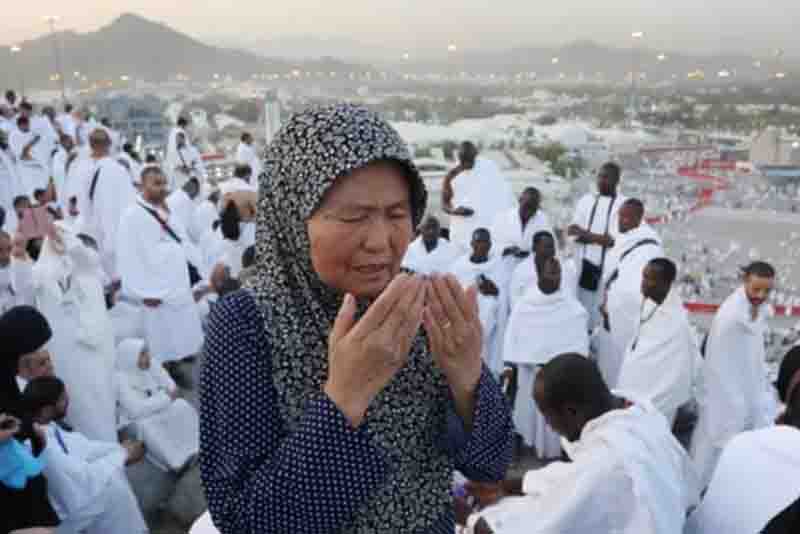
{"x": 364, "y": 355}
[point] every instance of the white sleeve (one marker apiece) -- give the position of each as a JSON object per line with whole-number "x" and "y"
{"x": 70, "y": 475}
{"x": 22, "y": 273}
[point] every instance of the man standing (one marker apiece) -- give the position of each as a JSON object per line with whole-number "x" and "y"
{"x": 105, "y": 192}
{"x": 33, "y": 168}
{"x": 636, "y": 245}
{"x": 430, "y": 252}
{"x": 9, "y": 183}
{"x": 662, "y": 360}
{"x": 67, "y": 122}
{"x": 513, "y": 230}
{"x": 246, "y": 154}
{"x": 526, "y": 275}
{"x": 154, "y": 269}
{"x": 115, "y": 136}
{"x": 64, "y": 156}
{"x": 546, "y": 321}
{"x": 489, "y": 272}
{"x": 627, "y": 473}
{"x": 16, "y": 279}
{"x": 595, "y": 226}
{"x": 474, "y": 193}
{"x": 735, "y": 397}
{"x": 185, "y": 163}
{"x": 87, "y": 482}
{"x": 182, "y": 202}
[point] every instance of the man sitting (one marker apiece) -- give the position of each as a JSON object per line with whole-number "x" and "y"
{"x": 627, "y": 473}
{"x": 86, "y": 479}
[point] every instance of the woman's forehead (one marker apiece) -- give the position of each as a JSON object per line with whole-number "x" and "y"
{"x": 376, "y": 185}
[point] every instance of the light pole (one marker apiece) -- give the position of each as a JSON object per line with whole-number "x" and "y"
{"x": 51, "y": 20}
{"x": 15, "y": 50}
{"x": 636, "y": 36}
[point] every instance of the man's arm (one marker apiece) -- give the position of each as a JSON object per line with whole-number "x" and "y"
{"x": 447, "y": 190}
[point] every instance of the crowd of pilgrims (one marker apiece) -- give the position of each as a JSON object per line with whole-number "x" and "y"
{"x": 109, "y": 266}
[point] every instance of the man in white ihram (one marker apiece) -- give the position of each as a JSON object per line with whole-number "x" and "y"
{"x": 595, "y": 227}
{"x": 636, "y": 245}
{"x": 87, "y": 483}
{"x": 32, "y": 165}
{"x": 104, "y": 193}
{"x": 736, "y": 395}
{"x": 474, "y": 193}
{"x": 184, "y": 163}
{"x": 246, "y": 154}
{"x": 513, "y": 230}
{"x": 153, "y": 264}
{"x": 546, "y": 321}
{"x": 430, "y": 252}
{"x": 627, "y": 473}
{"x": 662, "y": 360}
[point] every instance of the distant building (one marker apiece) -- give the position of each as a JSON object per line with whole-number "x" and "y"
{"x": 135, "y": 117}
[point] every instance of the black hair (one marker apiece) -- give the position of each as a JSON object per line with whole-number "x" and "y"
{"x": 244, "y": 136}
{"x": 761, "y": 269}
{"x": 481, "y": 231}
{"x": 572, "y": 379}
{"x": 637, "y": 205}
{"x": 243, "y": 171}
{"x": 612, "y": 170}
{"x": 150, "y": 158}
{"x": 230, "y": 219}
{"x": 182, "y": 121}
{"x": 19, "y": 199}
{"x": 67, "y": 108}
{"x": 38, "y": 192}
{"x": 667, "y": 268}
{"x": 2, "y": 217}
{"x": 27, "y": 106}
{"x": 530, "y": 190}
{"x": 42, "y": 392}
{"x": 34, "y": 248}
{"x": 249, "y": 257}
{"x": 151, "y": 169}
{"x": 541, "y": 234}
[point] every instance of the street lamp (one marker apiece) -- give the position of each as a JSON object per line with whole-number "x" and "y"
{"x": 51, "y": 21}
{"x": 15, "y": 49}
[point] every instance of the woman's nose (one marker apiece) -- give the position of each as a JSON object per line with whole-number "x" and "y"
{"x": 379, "y": 234}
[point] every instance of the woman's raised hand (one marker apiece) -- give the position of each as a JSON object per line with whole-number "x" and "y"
{"x": 454, "y": 329}
{"x": 364, "y": 355}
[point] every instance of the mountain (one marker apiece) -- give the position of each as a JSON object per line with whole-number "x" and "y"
{"x": 310, "y": 47}
{"x": 590, "y": 58}
{"x": 140, "y": 49}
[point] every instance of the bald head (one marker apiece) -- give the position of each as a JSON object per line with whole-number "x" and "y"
{"x": 630, "y": 215}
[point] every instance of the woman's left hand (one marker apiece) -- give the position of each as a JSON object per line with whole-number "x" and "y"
{"x": 454, "y": 329}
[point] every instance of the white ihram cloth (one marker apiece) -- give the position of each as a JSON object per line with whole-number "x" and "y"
{"x": 203, "y": 220}
{"x": 189, "y": 157}
{"x": 169, "y": 428}
{"x": 483, "y": 189}
{"x": 59, "y": 174}
{"x": 541, "y": 327}
{"x": 628, "y": 475}
{"x": 246, "y": 154}
{"x": 10, "y": 187}
{"x": 758, "y": 477}
{"x": 134, "y": 167}
{"x": 69, "y": 293}
{"x": 154, "y": 266}
{"x": 16, "y": 285}
{"x": 624, "y": 294}
{"x": 493, "y": 310}
{"x": 182, "y": 207}
{"x": 204, "y": 525}
{"x": 507, "y": 230}
{"x": 662, "y": 361}
{"x": 87, "y": 485}
{"x": 591, "y": 300}
{"x": 525, "y": 276}
{"x": 69, "y": 125}
{"x": 100, "y": 214}
{"x": 438, "y": 260}
{"x": 41, "y": 125}
{"x": 34, "y": 172}
{"x": 218, "y": 249}
{"x": 736, "y": 393}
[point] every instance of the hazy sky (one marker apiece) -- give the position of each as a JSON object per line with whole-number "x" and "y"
{"x": 691, "y": 25}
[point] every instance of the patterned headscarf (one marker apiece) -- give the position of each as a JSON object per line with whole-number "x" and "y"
{"x": 311, "y": 151}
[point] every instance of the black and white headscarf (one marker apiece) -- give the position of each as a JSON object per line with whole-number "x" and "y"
{"x": 312, "y": 150}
